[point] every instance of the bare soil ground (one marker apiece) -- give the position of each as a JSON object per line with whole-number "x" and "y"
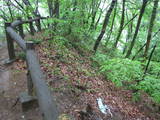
{"x": 12, "y": 83}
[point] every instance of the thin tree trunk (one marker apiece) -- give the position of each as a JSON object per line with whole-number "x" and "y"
{"x": 131, "y": 20}
{"x": 121, "y": 24}
{"x": 94, "y": 12}
{"x": 9, "y": 8}
{"x": 139, "y": 51}
{"x": 99, "y": 16}
{"x": 156, "y": 33}
{"x": 74, "y": 5}
{"x": 27, "y": 3}
{"x": 4, "y": 15}
{"x": 153, "y": 17}
{"x": 56, "y": 8}
{"x": 36, "y": 9}
{"x": 50, "y": 7}
{"x": 19, "y": 4}
{"x": 137, "y": 28}
{"x": 127, "y": 39}
{"x": 149, "y": 60}
{"x": 144, "y": 46}
{"x": 106, "y": 20}
{"x": 129, "y": 34}
{"x": 111, "y": 29}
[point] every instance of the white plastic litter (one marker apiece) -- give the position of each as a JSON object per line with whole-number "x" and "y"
{"x": 103, "y": 108}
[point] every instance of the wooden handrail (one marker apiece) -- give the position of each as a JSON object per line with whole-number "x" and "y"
{"x": 16, "y": 38}
{"x": 18, "y": 22}
{"x": 46, "y": 102}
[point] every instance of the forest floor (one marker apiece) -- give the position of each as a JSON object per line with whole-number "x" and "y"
{"x": 12, "y": 83}
{"x": 74, "y": 82}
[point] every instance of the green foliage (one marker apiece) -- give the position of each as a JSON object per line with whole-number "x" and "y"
{"x": 36, "y": 41}
{"x": 136, "y": 96}
{"x": 151, "y": 85}
{"x": 154, "y": 68}
{"x": 99, "y": 58}
{"x": 122, "y": 70}
{"x": 21, "y": 55}
{"x": 60, "y": 42}
{"x": 29, "y": 10}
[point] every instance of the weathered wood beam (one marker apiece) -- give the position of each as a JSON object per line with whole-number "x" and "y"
{"x": 16, "y": 23}
{"x": 46, "y": 103}
{"x": 10, "y": 43}
{"x": 19, "y": 40}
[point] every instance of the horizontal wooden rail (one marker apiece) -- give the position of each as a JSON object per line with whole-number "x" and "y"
{"x": 35, "y": 19}
{"x": 35, "y": 76}
{"x": 16, "y": 38}
{"x": 18, "y": 22}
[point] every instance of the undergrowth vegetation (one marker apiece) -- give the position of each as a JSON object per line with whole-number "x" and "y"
{"x": 126, "y": 73}
{"x": 122, "y": 71}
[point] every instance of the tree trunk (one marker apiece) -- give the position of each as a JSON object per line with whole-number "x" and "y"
{"x": 10, "y": 11}
{"x": 21, "y": 6}
{"x": 149, "y": 60}
{"x": 111, "y": 29}
{"x": 137, "y": 28}
{"x": 94, "y": 12}
{"x": 100, "y": 14}
{"x": 56, "y": 8}
{"x": 50, "y": 7}
{"x": 106, "y": 20}
{"x": 74, "y": 5}
{"x": 127, "y": 39}
{"x": 153, "y": 17}
{"x": 121, "y": 24}
{"x": 156, "y": 33}
{"x": 129, "y": 32}
{"x": 26, "y": 2}
{"x": 141, "y": 48}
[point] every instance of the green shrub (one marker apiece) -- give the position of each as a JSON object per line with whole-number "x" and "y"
{"x": 154, "y": 68}
{"x": 99, "y": 58}
{"x": 151, "y": 85}
{"x": 125, "y": 70}
{"x": 21, "y": 55}
{"x": 122, "y": 70}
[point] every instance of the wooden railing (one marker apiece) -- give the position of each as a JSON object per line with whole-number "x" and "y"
{"x": 35, "y": 76}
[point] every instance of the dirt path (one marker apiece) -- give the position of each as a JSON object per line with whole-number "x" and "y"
{"x": 12, "y": 83}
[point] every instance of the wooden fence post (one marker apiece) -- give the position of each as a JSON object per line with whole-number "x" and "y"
{"x": 10, "y": 44}
{"x": 30, "y": 84}
{"x": 29, "y": 46}
{"x": 38, "y": 22}
{"x": 48, "y": 23}
{"x": 20, "y": 27}
{"x": 28, "y": 100}
{"x": 31, "y": 26}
